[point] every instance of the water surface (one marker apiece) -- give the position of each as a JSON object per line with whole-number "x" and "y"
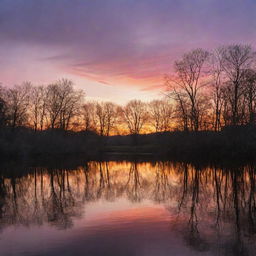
{"x": 128, "y": 208}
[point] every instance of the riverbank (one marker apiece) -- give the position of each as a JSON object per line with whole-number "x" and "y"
{"x": 230, "y": 143}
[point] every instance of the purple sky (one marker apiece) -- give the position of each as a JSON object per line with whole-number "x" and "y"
{"x": 114, "y": 49}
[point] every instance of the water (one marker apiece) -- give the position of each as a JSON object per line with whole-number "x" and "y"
{"x": 128, "y": 208}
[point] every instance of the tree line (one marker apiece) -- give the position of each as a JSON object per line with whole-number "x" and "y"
{"x": 61, "y": 106}
{"x": 214, "y": 89}
{"x": 205, "y": 91}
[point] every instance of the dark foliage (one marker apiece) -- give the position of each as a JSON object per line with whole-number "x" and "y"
{"x": 237, "y": 142}
{"x": 23, "y": 143}
{"x": 231, "y": 143}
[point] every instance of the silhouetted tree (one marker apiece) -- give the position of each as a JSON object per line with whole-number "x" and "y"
{"x": 106, "y": 115}
{"x": 187, "y": 83}
{"x": 89, "y": 117}
{"x": 63, "y": 103}
{"x": 217, "y": 74}
{"x": 38, "y": 107}
{"x": 250, "y": 93}
{"x": 135, "y": 116}
{"x": 3, "y": 109}
{"x": 160, "y": 115}
{"x": 235, "y": 61}
{"x": 17, "y": 103}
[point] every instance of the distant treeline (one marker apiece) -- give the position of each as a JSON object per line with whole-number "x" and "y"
{"x": 206, "y": 91}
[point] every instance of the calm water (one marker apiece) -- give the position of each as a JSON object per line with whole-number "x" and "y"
{"x": 127, "y": 208}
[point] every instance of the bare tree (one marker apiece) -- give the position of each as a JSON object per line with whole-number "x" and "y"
{"x": 205, "y": 113}
{"x": 161, "y": 113}
{"x": 17, "y": 100}
{"x": 135, "y": 115}
{"x": 54, "y": 103}
{"x": 71, "y": 108}
{"x": 89, "y": 116}
{"x": 38, "y": 107}
{"x": 235, "y": 60}
{"x": 63, "y": 103}
{"x": 250, "y": 94}
{"x": 181, "y": 110}
{"x": 106, "y": 117}
{"x": 3, "y": 108}
{"x": 187, "y": 83}
{"x": 3, "y": 117}
{"x": 217, "y": 74}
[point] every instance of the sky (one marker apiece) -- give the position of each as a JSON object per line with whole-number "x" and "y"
{"x": 115, "y": 50}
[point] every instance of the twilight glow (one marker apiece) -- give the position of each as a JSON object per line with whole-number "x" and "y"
{"x": 114, "y": 49}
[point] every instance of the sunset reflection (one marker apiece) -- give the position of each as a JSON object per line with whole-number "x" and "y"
{"x": 208, "y": 208}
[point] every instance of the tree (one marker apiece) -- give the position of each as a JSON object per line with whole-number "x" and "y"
{"x": 38, "y": 103}
{"x": 135, "y": 115}
{"x": 235, "y": 61}
{"x": 161, "y": 113}
{"x": 106, "y": 117}
{"x": 3, "y": 108}
{"x": 250, "y": 93}
{"x": 71, "y": 108}
{"x": 89, "y": 118}
{"x": 181, "y": 109}
{"x": 186, "y": 85}
{"x": 3, "y": 115}
{"x": 17, "y": 102}
{"x": 63, "y": 103}
{"x": 217, "y": 75}
{"x": 54, "y": 103}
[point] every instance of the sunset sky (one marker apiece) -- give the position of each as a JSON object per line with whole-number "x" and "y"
{"x": 114, "y": 49}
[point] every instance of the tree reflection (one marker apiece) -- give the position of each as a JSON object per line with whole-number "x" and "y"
{"x": 133, "y": 185}
{"x": 212, "y": 205}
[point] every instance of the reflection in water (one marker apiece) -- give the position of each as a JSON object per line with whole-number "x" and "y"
{"x": 211, "y": 209}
